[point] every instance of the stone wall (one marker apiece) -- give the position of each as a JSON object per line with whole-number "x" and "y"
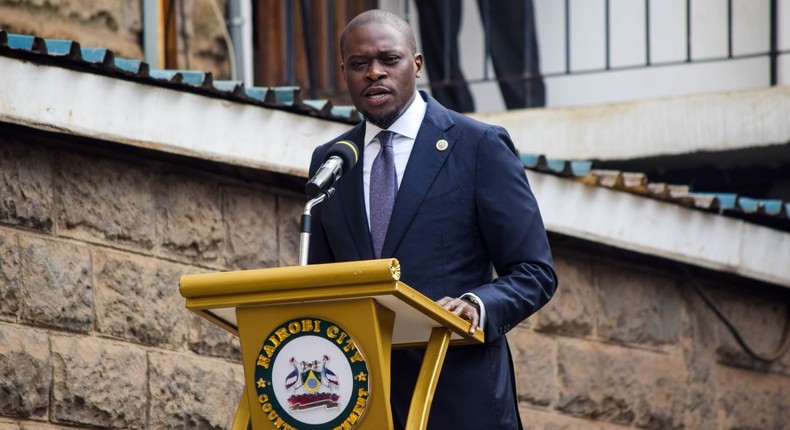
{"x": 625, "y": 344}
{"x": 93, "y": 330}
{"x": 117, "y": 25}
{"x": 94, "y": 334}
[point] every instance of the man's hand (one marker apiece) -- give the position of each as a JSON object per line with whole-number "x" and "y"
{"x": 464, "y": 308}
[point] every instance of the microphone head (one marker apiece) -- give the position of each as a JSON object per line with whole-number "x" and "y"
{"x": 326, "y": 176}
{"x": 346, "y": 151}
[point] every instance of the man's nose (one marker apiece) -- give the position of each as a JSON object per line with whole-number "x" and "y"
{"x": 376, "y": 71}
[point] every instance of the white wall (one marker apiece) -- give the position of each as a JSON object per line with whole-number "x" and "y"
{"x": 627, "y": 33}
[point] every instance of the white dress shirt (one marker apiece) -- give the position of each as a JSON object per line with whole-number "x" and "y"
{"x": 405, "y": 129}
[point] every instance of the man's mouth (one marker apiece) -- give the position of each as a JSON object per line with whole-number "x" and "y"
{"x": 377, "y": 93}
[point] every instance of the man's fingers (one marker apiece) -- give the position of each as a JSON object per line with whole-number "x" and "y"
{"x": 453, "y": 305}
{"x": 463, "y": 309}
{"x": 444, "y": 300}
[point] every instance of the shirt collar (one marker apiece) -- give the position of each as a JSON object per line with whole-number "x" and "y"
{"x": 406, "y": 125}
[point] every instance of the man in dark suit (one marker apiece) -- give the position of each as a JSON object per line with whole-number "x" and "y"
{"x": 447, "y": 197}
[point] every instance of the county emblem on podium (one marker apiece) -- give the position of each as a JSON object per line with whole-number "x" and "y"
{"x": 310, "y": 374}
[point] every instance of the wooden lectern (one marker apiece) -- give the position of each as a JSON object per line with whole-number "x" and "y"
{"x": 316, "y": 341}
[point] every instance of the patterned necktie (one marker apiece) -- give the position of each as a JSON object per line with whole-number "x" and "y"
{"x": 383, "y": 187}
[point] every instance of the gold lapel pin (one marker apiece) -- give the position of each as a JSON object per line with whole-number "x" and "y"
{"x": 442, "y": 144}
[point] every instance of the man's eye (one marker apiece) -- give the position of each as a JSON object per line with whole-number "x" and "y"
{"x": 358, "y": 64}
{"x": 391, "y": 60}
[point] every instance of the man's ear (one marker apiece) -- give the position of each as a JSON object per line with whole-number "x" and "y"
{"x": 343, "y": 69}
{"x": 417, "y": 64}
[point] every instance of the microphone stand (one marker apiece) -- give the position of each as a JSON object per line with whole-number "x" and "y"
{"x": 304, "y": 225}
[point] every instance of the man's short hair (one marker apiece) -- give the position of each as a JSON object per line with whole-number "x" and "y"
{"x": 378, "y": 16}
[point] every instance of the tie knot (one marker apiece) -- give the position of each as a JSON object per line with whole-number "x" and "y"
{"x": 385, "y": 138}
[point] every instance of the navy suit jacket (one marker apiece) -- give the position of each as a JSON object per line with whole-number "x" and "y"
{"x": 460, "y": 213}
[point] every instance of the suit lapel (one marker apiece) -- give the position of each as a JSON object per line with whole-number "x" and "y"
{"x": 425, "y": 162}
{"x": 352, "y": 200}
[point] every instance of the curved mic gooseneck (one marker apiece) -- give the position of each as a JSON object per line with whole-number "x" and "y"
{"x": 340, "y": 158}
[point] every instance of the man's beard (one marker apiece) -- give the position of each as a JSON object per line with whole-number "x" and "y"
{"x": 383, "y": 120}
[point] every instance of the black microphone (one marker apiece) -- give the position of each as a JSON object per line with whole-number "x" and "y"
{"x": 340, "y": 158}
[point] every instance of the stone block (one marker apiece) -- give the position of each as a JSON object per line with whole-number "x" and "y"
{"x": 57, "y": 289}
{"x": 106, "y": 199}
{"x": 535, "y": 361}
{"x": 137, "y": 299}
{"x": 533, "y": 419}
{"x": 289, "y": 215}
{"x": 698, "y": 345}
{"x": 193, "y": 392}
{"x": 639, "y": 306}
{"x": 574, "y": 308}
{"x": 25, "y": 372}
{"x": 45, "y": 426}
{"x": 113, "y": 25}
{"x": 26, "y": 192}
{"x": 206, "y": 338}
{"x": 33, "y": 425}
{"x": 751, "y": 399}
{"x": 189, "y": 219}
{"x": 620, "y": 385}
{"x": 8, "y": 425}
{"x": 9, "y": 275}
{"x": 762, "y": 322}
{"x": 207, "y": 50}
{"x": 251, "y": 219}
{"x": 98, "y": 383}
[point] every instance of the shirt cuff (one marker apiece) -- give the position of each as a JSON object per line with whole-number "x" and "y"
{"x": 473, "y": 297}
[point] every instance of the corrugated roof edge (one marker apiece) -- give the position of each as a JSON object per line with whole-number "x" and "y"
{"x": 69, "y": 54}
{"x": 638, "y": 183}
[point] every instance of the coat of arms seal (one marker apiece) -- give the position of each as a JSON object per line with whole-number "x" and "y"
{"x": 311, "y": 374}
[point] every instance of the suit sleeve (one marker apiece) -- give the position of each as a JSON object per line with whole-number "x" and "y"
{"x": 513, "y": 233}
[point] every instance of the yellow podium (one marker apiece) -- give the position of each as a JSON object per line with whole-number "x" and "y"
{"x": 316, "y": 341}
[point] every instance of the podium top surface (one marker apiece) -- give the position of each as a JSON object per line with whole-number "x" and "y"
{"x": 215, "y": 296}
